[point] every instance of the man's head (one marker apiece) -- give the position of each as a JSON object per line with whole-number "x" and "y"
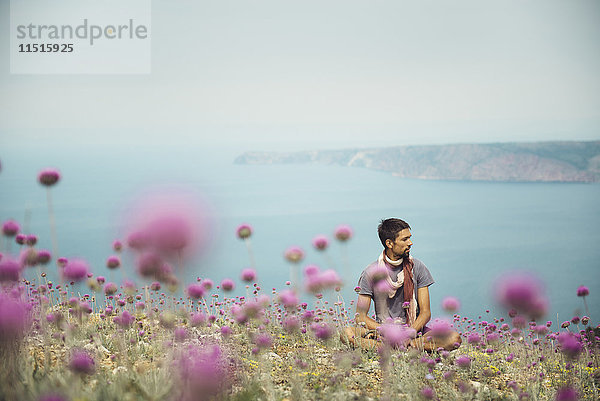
{"x": 395, "y": 237}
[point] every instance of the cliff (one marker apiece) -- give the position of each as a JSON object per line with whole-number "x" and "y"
{"x": 526, "y": 162}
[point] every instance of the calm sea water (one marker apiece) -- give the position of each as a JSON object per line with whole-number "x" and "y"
{"x": 467, "y": 233}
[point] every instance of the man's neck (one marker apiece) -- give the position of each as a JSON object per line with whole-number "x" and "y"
{"x": 394, "y": 262}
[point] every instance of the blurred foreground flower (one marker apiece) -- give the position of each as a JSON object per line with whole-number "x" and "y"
{"x": 203, "y": 373}
{"x": 451, "y": 304}
{"x": 81, "y": 362}
{"x": 172, "y": 223}
{"x": 523, "y": 293}
{"x": 14, "y": 318}
{"x": 75, "y": 270}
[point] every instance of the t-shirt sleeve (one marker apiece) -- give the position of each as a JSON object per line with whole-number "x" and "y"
{"x": 365, "y": 286}
{"x": 422, "y": 275}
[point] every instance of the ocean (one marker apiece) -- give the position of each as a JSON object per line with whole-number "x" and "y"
{"x": 467, "y": 233}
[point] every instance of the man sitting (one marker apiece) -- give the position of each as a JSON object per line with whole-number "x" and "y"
{"x": 399, "y": 286}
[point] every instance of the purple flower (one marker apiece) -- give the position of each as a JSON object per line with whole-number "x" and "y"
{"x": 343, "y": 233}
{"x": 10, "y": 270}
{"x": 125, "y": 319}
{"x": 291, "y": 324}
{"x": 244, "y": 231}
{"x": 62, "y": 261}
{"x": 294, "y": 254}
{"x": 321, "y": 330}
{"x": 227, "y": 284}
{"x": 197, "y": 319}
{"x": 463, "y": 361}
{"x": 149, "y": 264}
{"x": 288, "y": 298}
{"x": 31, "y": 240}
{"x": 155, "y": 286}
{"x": 14, "y": 318}
{"x": 207, "y": 284}
{"x": 567, "y": 394}
{"x": 113, "y": 262}
{"x": 226, "y": 331}
{"x": 474, "y": 338}
{"x": 569, "y": 345}
{"x": 10, "y": 228}
{"x": 76, "y": 270}
{"x": 202, "y": 373}
{"x": 395, "y": 335}
{"x": 195, "y": 291}
{"x": 248, "y": 275}
{"x": 117, "y": 245}
{"x": 428, "y": 393}
{"x": 263, "y": 340}
{"x": 318, "y": 281}
{"x": 583, "y": 291}
{"x": 140, "y": 306}
{"x": 110, "y": 288}
{"x": 450, "y": 304}
{"x": 20, "y": 239}
{"x": 523, "y": 293}
{"x": 48, "y": 177}
{"x": 43, "y": 256}
{"x": 81, "y": 362}
{"x": 181, "y": 334}
{"x": 320, "y": 242}
{"x": 440, "y": 329}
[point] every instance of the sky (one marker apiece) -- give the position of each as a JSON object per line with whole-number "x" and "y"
{"x": 291, "y": 75}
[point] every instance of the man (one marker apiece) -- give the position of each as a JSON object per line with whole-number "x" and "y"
{"x": 398, "y": 284}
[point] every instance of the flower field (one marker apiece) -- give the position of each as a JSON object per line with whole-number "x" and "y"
{"x": 86, "y": 337}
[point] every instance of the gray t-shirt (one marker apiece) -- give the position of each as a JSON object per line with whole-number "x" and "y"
{"x": 421, "y": 276}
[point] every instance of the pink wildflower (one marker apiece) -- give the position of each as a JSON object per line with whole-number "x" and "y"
{"x": 343, "y": 233}
{"x": 43, "y": 256}
{"x": 463, "y": 361}
{"x": 49, "y": 177}
{"x": 248, "y": 275}
{"x": 582, "y": 291}
{"x": 524, "y": 293}
{"x": 81, "y": 362}
{"x": 294, "y": 254}
{"x": 396, "y": 336}
{"x": 244, "y": 231}
{"x": 450, "y": 304}
{"x": 10, "y": 270}
{"x": 10, "y": 228}
{"x": 227, "y": 284}
{"x": 113, "y": 262}
{"x": 288, "y": 298}
{"x": 195, "y": 291}
{"x": 76, "y": 270}
{"x": 320, "y": 242}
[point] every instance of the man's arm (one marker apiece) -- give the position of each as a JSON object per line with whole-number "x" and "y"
{"x": 362, "y": 309}
{"x": 424, "y": 309}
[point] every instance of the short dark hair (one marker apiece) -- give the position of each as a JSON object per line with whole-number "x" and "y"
{"x": 389, "y": 229}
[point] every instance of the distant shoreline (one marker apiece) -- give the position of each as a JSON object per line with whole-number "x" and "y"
{"x": 557, "y": 161}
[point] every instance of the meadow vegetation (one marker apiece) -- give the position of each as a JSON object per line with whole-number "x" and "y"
{"x": 86, "y": 337}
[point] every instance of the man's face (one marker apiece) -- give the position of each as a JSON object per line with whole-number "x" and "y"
{"x": 400, "y": 247}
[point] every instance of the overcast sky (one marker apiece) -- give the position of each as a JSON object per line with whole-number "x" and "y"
{"x": 313, "y": 74}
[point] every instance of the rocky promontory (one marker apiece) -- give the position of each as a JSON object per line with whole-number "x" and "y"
{"x": 568, "y": 161}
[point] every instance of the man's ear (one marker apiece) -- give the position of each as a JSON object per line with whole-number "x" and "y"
{"x": 389, "y": 243}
